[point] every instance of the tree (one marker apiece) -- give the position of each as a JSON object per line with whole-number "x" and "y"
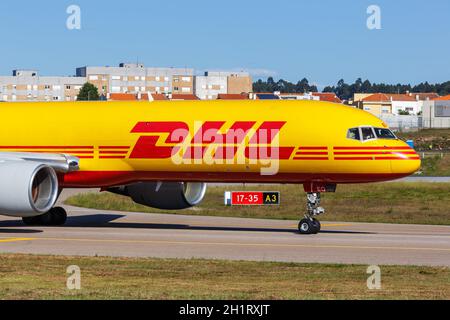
{"x": 88, "y": 92}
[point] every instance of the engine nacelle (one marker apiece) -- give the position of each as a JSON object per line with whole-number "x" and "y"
{"x": 164, "y": 195}
{"x": 27, "y": 188}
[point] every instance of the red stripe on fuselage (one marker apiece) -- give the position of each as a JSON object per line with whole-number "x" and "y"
{"x": 93, "y": 179}
{"x": 373, "y": 148}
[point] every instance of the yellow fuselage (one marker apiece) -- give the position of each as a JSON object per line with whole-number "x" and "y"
{"x": 125, "y": 142}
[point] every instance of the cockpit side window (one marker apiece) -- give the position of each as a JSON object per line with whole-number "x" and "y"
{"x": 353, "y": 133}
{"x": 367, "y": 133}
{"x": 383, "y": 133}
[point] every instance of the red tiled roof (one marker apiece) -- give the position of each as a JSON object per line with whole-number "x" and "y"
{"x": 401, "y": 97}
{"x": 382, "y": 97}
{"x": 424, "y": 96}
{"x": 444, "y": 98}
{"x": 159, "y": 96}
{"x": 378, "y": 97}
{"x": 327, "y": 96}
{"x": 155, "y": 96}
{"x": 122, "y": 97}
{"x": 179, "y": 96}
{"x": 225, "y": 96}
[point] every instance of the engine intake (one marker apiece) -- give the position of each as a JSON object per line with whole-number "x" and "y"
{"x": 27, "y": 188}
{"x": 164, "y": 195}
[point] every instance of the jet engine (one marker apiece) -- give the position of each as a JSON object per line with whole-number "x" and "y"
{"x": 164, "y": 195}
{"x": 27, "y": 188}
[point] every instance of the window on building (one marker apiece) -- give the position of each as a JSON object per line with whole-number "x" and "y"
{"x": 115, "y": 89}
{"x": 186, "y": 89}
{"x": 125, "y": 78}
{"x": 176, "y": 89}
{"x": 56, "y": 98}
{"x": 157, "y": 78}
{"x": 56, "y": 87}
{"x": 115, "y": 77}
{"x": 35, "y": 87}
{"x": 29, "y": 87}
{"x": 68, "y": 87}
{"x": 186, "y": 79}
{"x": 46, "y": 87}
{"x": 93, "y": 78}
{"x": 136, "y": 78}
{"x": 142, "y": 78}
{"x": 166, "y": 79}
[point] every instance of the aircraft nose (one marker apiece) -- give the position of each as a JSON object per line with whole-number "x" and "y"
{"x": 405, "y": 161}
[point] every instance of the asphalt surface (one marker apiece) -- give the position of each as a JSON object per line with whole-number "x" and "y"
{"x": 89, "y": 232}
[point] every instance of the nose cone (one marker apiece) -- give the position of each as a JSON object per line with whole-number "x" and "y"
{"x": 405, "y": 161}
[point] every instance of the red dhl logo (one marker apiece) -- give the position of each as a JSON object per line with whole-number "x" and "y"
{"x": 256, "y": 144}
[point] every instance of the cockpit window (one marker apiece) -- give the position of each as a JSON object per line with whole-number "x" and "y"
{"x": 383, "y": 133}
{"x": 354, "y": 134}
{"x": 367, "y": 133}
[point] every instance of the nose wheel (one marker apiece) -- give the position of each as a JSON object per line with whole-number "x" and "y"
{"x": 310, "y": 225}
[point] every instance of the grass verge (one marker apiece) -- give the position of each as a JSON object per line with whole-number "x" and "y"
{"x": 44, "y": 277}
{"x": 411, "y": 203}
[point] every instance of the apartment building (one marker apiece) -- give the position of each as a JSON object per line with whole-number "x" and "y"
{"x": 214, "y": 83}
{"x": 136, "y": 78}
{"x": 27, "y": 85}
{"x": 381, "y": 103}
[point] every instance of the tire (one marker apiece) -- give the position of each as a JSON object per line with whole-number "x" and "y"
{"x": 58, "y": 216}
{"x": 305, "y": 226}
{"x": 316, "y": 226}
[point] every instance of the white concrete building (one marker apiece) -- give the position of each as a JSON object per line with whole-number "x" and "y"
{"x": 401, "y": 104}
{"x": 208, "y": 87}
{"x": 136, "y": 78}
{"x": 436, "y": 113}
{"x": 27, "y": 85}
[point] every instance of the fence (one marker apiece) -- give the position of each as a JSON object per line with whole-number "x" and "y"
{"x": 403, "y": 122}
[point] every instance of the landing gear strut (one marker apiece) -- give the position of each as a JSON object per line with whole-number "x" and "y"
{"x": 310, "y": 225}
{"x": 57, "y": 216}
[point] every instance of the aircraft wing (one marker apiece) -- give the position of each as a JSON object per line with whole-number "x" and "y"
{"x": 59, "y": 162}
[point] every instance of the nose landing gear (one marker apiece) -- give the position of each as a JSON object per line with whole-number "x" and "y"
{"x": 310, "y": 225}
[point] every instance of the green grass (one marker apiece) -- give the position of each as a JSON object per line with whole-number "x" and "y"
{"x": 44, "y": 277}
{"x": 436, "y": 165}
{"x": 412, "y": 203}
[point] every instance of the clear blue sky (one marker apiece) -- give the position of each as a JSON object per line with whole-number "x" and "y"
{"x": 323, "y": 40}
